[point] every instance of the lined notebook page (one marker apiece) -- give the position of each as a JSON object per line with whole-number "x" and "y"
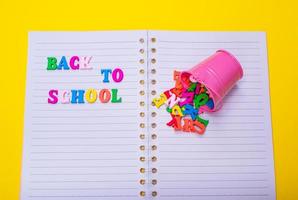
{"x": 83, "y": 151}
{"x": 233, "y": 159}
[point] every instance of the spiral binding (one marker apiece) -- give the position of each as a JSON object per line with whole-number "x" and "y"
{"x": 152, "y": 158}
{"x": 153, "y": 134}
{"x": 142, "y": 104}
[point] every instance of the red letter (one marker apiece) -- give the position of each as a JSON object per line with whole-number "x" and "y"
{"x": 175, "y": 123}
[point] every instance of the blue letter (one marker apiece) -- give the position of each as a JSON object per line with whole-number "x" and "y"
{"x": 77, "y": 98}
{"x": 63, "y": 64}
{"x": 106, "y": 73}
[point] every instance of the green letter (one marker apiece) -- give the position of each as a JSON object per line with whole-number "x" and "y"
{"x": 52, "y": 63}
{"x": 114, "y": 96}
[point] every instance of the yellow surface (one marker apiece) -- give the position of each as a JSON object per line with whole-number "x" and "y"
{"x": 278, "y": 19}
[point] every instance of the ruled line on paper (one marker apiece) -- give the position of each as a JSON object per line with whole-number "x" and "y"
{"x": 77, "y": 145}
{"x": 216, "y": 151}
{"x": 80, "y": 196}
{"x": 218, "y": 158}
{"x": 88, "y": 130}
{"x": 196, "y": 188}
{"x": 76, "y": 123}
{"x": 179, "y": 68}
{"x": 79, "y": 159}
{"x": 87, "y": 166}
{"x": 94, "y": 188}
{"x": 216, "y": 42}
{"x": 82, "y": 181}
{"x": 243, "y": 165}
{"x": 216, "y": 137}
{"x": 80, "y": 152}
{"x": 81, "y": 138}
{"x": 207, "y": 48}
{"x": 195, "y": 173}
{"x": 194, "y": 61}
{"x": 216, "y": 195}
{"x": 206, "y": 55}
{"x": 79, "y": 117}
{"x": 94, "y": 55}
{"x": 95, "y": 51}
{"x": 217, "y": 180}
{"x": 59, "y": 174}
{"x": 85, "y": 42}
{"x": 219, "y": 144}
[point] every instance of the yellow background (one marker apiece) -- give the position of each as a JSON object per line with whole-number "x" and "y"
{"x": 278, "y": 18}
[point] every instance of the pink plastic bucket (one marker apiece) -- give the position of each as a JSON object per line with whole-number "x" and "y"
{"x": 219, "y": 73}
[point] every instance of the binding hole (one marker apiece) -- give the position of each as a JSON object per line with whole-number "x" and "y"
{"x": 142, "y": 193}
{"x": 153, "y": 50}
{"x": 142, "y": 103}
{"x": 142, "y": 159}
{"x": 154, "y": 159}
{"x": 153, "y": 125}
{"x": 142, "y": 147}
{"x": 153, "y": 170}
{"x": 154, "y": 193}
{"x": 142, "y": 71}
{"x": 153, "y": 114}
{"x": 153, "y": 136}
{"x": 142, "y": 170}
{"x": 153, "y": 71}
{"x": 142, "y": 82}
{"x": 153, "y": 147}
{"x": 141, "y": 40}
{"x": 141, "y": 51}
{"x": 153, "y": 40}
{"x": 153, "y": 60}
{"x": 153, "y": 82}
{"x": 142, "y": 114}
{"x": 142, "y": 92}
{"x": 142, "y": 125}
{"x": 142, "y": 182}
{"x": 142, "y": 136}
{"x": 141, "y": 61}
{"x": 153, "y": 92}
{"x": 154, "y": 182}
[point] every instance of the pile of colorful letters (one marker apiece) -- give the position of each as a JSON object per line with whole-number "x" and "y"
{"x": 184, "y": 104}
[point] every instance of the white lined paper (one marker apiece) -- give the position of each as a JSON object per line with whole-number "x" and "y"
{"x": 83, "y": 151}
{"x": 234, "y": 159}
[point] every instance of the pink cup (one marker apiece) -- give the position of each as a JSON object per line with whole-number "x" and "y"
{"x": 219, "y": 73}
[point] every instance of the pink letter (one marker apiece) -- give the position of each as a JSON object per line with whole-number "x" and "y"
{"x": 65, "y": 96}
{"x": 53, "y": 99}
{"x": 73, "y": 64}
{"x": 117, "y": 75}
{"x": 85, "y": 61}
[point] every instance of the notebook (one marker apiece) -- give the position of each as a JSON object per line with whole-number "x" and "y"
{"x": 91, "y": 131}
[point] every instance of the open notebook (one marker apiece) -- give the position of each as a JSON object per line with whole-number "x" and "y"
{"x": 112, "y": 151}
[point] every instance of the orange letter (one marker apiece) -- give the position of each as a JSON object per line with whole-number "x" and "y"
{"x": 104, "y": 95}
{"x": 201, "y": 128}
{"x": 188, "y": 125}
